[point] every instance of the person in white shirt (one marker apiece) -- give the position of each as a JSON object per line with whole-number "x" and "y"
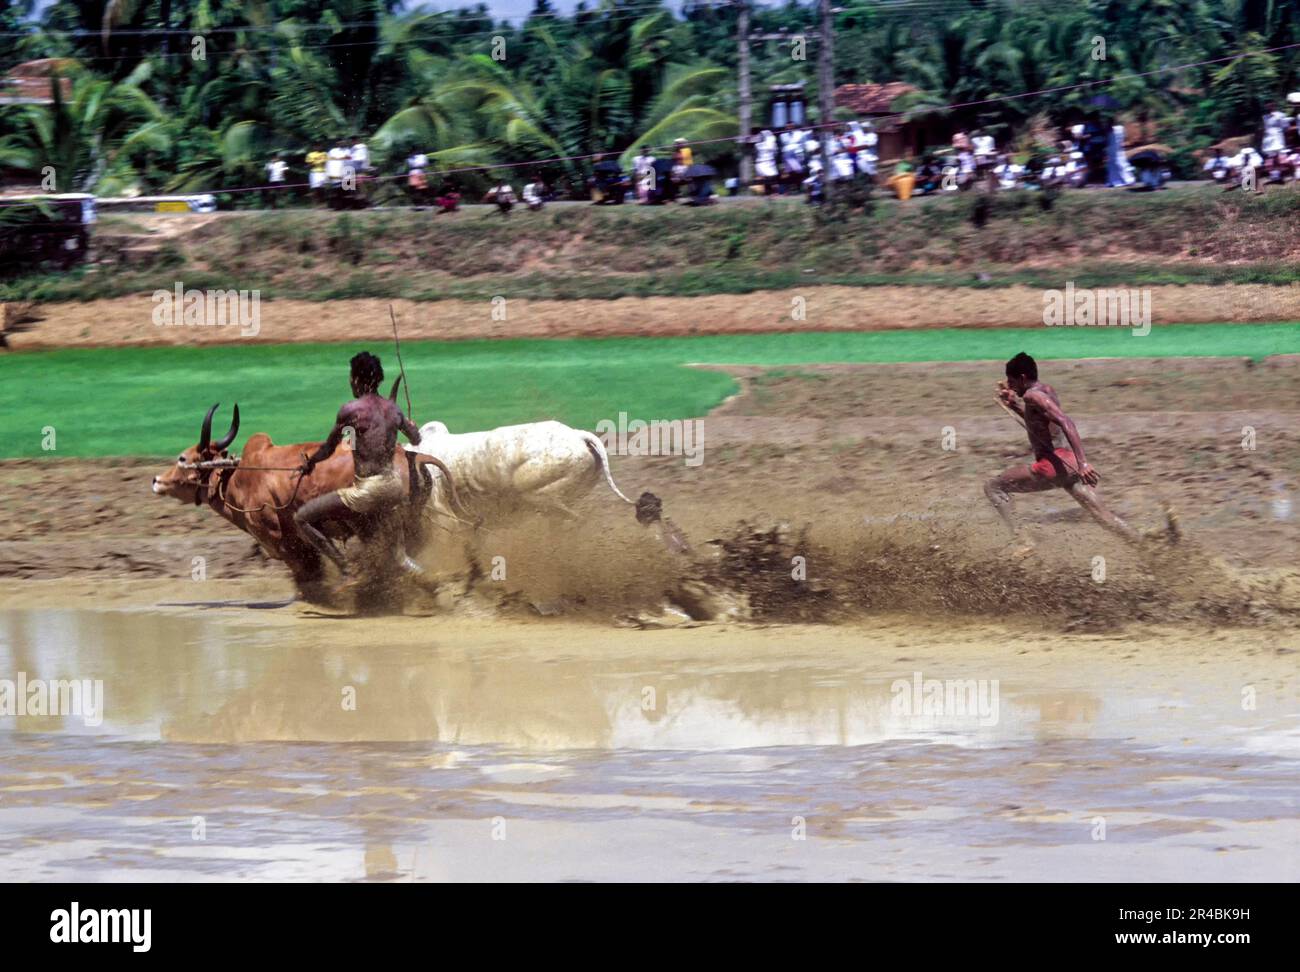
{"x": 1237, "y": 165}
{"x": 1275, "y": 125}
{"x": 809, "y": 145}
{"x": 842, "y": 160}
{"x": 1008, "y": 173}
{"x": 336, "y": 163}
{"x": 792, "y": 151}
{"x": 533, "y": 194}
{"x": 765, "y": 160}
{"x": 276, "y": 168}
{"x": 643, "y": 170}
{"x": 965, "y": 168}
{"x": 416, "y": 182}
{"x": 865, "y": 141}
{"x": 985, "y": 154}
{"x": 1217, "y": 166}
{"x": 813, "y": 186}
{"x": 815, "y": 165}
{"x": 1118, "y": 170}
{"x": 360, "y": 156}
{"x": 275, "y": 172}
{"x": 504, "y": 196}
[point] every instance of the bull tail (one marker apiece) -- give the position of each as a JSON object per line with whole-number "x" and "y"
{"x": 602, "y": 460}
{"x": 459, "y": 511}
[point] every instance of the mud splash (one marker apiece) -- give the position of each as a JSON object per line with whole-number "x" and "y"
{"x": 783, "y": 574}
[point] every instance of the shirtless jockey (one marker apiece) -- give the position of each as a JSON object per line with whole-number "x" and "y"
{"x": 377, "y": 490}
{"x": 1052, "y": 468}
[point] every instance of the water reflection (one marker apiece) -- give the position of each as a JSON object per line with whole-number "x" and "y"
{"x": 197, "y": 679}
{"x": 364, "y": 750}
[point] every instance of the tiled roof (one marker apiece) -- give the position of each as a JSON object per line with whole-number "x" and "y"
{"x": 871, "y": 99}
{"x": 29, "y": 83}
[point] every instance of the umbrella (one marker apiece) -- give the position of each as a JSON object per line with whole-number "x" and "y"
{"x": 1146, "y": 158}
{"x": 1104, "y": 101}
{"x": 662, "y": 167}
{"x": 610, "y": 166}
{"x": 701, "y": 172}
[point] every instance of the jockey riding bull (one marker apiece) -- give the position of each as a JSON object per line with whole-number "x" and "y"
{"x": 371, "y": 422}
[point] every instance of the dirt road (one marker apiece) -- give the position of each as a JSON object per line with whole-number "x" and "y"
{"x": 129, "y": 320}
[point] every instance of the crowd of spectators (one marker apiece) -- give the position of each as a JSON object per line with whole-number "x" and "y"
{"x": 1272, "y": 157}
{"x": 800, "y": 160}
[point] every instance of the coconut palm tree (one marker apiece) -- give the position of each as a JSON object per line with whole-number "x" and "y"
{"x": 687, "y": 108}
{"x": 90, "y": 138}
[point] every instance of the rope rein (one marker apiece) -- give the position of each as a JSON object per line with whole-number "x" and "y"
{"x": 221, "y": 491}
{"x": 221, "y": 495}
{"x": 234, "y": 466}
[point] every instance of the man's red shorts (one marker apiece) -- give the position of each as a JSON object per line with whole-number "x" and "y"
{"x": 1060, "y": 467}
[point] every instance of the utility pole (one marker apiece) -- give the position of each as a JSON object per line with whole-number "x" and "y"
{"x": 826, "y": 92}
{"x": 746, "y": 123}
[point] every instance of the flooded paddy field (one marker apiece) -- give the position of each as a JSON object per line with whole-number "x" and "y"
{"x": 236, "y": 743}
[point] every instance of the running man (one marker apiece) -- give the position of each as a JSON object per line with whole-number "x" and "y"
{"x": 1052, "y": 468}
{"x": 374, "y": 422}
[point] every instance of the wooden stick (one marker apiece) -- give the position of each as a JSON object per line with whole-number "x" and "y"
{"x": 402, "y": 368}
{"x": 1013, "y": 413}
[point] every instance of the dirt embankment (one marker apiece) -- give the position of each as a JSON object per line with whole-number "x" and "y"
{"x": 1191, "y": 235}
{"x": 128, "y": 321}
{"x": 851, "y": 460}
{"x": 1192, "y": 224}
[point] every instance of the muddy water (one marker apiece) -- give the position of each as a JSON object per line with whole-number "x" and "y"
{"x": 243, "y": 744}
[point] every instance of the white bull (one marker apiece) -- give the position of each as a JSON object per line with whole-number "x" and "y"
{"x": 541, "y": 467}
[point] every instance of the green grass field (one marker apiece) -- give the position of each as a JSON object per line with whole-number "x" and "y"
{"x": 149, "y": 401}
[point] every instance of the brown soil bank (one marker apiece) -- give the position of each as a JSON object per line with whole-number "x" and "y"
{"x": 1100, "y": 238}
{"x": 1198, "y": 223}
{"x": 128, "y": 320}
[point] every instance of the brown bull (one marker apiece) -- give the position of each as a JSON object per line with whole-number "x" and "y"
{"x": 261, "y": 501}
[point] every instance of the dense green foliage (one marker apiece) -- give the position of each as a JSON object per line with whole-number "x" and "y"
{"x": 149, "y": 401}
{"x": 286, "y": 75}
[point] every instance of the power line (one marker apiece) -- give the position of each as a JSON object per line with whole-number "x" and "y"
{"x": 616, "y": 15}
{"x": 439, "y": 16}
{"x": 290, "y": 43}
{"x": 435, "y": 17}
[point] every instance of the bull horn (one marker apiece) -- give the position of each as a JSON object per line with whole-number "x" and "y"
{"x": 205, "y": 433}
{"x": 229, "y": 437}
{"x": 392, "y": 395}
